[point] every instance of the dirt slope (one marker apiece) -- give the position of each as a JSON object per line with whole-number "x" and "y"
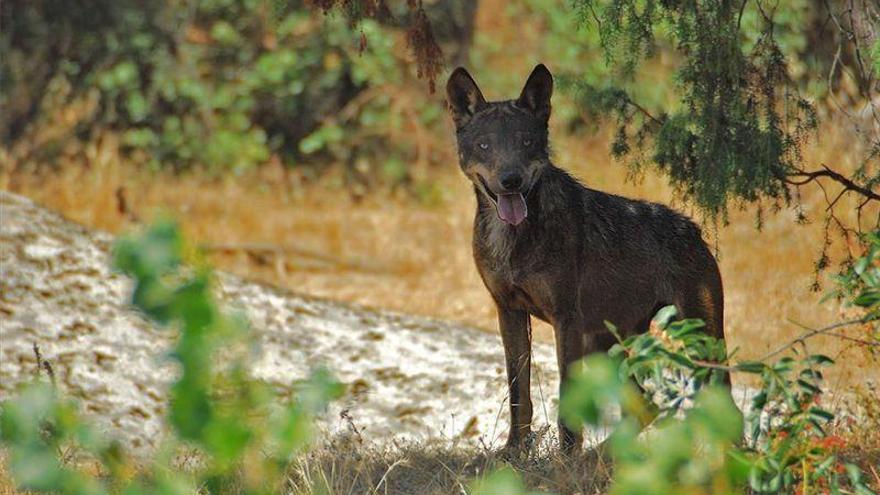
{"x": 410, "y": 377}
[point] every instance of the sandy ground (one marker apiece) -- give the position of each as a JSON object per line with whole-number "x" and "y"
{"x": 409, "y": 377}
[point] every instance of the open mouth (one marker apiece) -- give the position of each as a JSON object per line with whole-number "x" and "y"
{"x": 511, "y": 208}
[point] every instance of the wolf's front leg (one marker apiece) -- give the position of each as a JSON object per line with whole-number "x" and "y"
{"x": 516, "y": 336}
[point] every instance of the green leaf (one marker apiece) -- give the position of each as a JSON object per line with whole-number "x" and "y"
{"x": 821, "y": 413}
{"x": 318, "y": 391}
{"x": 320, "y": 139}
{"x": 784, "y": 365}
{"x": 809, "y": 387}
{"x": 715, "y": 410}
{"x": 867, "y": 299}
{"x": 681, "y": 360}
{"x": 500, "y": 482}
{"x": 224, "y": 33}
{"x": 754, "y": 367}
{"x": 665, "y": 315}
{"x": 37, "y": 469}
{"x": 593, "y": 386}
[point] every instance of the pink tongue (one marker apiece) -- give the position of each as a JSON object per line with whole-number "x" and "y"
{"x": 512, "y": 208}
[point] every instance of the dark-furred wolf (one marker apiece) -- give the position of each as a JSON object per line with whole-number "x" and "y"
{"x": 549, "y": 247}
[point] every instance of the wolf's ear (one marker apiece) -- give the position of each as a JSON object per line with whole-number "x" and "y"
{"x": 465, "y": 98}
{"x": 537, "y": 92}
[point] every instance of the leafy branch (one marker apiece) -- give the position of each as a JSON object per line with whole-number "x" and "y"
{"x": 737, "y": 133}
{"x": 848, "y": 184}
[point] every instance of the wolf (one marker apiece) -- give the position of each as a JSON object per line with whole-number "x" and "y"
{"x": 546, "y": 246}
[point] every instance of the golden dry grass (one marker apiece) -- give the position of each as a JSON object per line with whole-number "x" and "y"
{"x": 342, "y": 465}
{"x": 7, "y": 487}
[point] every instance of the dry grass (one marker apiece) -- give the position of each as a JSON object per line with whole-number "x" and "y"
{"x": 344, "y": 466}
{"x": 7, "y": 487}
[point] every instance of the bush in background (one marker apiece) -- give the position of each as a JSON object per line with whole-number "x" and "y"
{"x": 223, "y": 84}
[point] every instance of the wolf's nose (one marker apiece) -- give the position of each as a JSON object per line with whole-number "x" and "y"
{"x": 511, "y": 181}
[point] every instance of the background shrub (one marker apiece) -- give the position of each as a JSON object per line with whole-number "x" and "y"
{"x": 223, "y": 84}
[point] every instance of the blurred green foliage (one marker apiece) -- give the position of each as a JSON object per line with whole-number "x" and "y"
{"x": 223, "y": 84}
{"x": 499, "y": 482}
{"x": 239, "y": 431}
{"x": 859, "y": 285}
{"x": 689, "y": 450}
{"x": 696, "y": 444}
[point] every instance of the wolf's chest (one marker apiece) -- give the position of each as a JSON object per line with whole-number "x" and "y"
{"x": 498, "y": 240}
{"x": 507, "y": 266}
{"x": 520, "y": 287}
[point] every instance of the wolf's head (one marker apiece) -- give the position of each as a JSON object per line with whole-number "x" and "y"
{"x": 502, "y": 145}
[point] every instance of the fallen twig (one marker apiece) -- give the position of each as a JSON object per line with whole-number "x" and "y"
{"x": 813, "y": 332}
{"x": 287, "y": 249}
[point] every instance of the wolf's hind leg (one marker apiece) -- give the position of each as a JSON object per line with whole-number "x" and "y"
{"x": 574, "y": 340}
{"x": 705, "y": 301}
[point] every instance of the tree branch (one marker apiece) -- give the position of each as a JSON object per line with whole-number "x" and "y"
{"x": 813, "y": 332}
{"x": 289, "y": 249}
{"x": 846, "y": 182}
{"x": 643, "y": 111}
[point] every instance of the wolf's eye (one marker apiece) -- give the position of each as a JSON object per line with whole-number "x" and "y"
{"x": 483, "y": 146}
{"x": 527, "y": 142}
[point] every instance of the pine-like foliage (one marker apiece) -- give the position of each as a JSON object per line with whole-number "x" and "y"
{"x": 737, "y": 130}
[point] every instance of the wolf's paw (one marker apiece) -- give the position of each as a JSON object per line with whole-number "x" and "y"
{"x": 511, "y": 452}
{"x": 602, "y": 450}
{"x": 517, "y": 447}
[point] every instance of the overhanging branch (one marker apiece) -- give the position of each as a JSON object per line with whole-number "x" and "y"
{"x": 804, "y": 177}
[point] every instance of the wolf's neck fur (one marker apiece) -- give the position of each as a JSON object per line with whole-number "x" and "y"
{"x": 544, "y": 199}
{"x": 497, "y": 236}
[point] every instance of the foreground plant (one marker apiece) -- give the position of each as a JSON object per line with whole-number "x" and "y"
{"x": 234, "y": 425}
{"x": 701, "y": 443}
{"x": 782, "y": 445}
